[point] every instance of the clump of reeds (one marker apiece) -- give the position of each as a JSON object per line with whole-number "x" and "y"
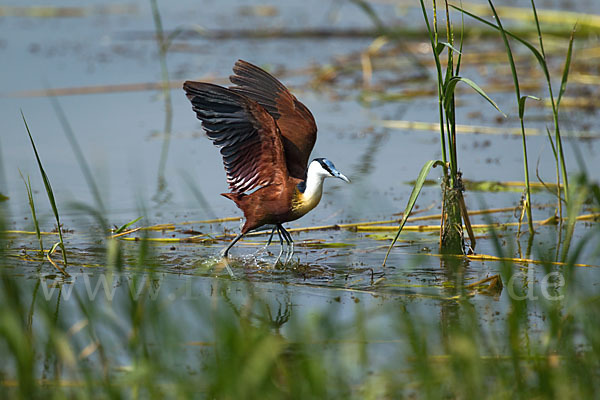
{"x": 453, "y": 205}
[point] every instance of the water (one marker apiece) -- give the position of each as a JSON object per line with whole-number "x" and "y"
{"x": 120, "y": 134}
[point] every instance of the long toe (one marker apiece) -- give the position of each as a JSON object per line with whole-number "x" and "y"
{"x": 279, "y": 256}
{"x": 266, "y": 246}
{"x": 263, "y": 249}
{"x": 290, "y": 253}
{"x": 228, "y": 268}
{"x": 225, "y": 260}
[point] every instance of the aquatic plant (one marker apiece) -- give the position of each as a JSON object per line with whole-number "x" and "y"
{"x": 540, "y": 56}
{"x": 50, "y": 194}
{"x": 453, "y": 205}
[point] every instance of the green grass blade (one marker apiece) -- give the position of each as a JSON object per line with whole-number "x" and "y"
{"x": 560, "y": 164}
{"x": 565, "y": 76}
{"x": 579, "y": 195}
{"x": 537, "y": 25}
{"x": 542, "y": 61}
{"x": 441, "y": 45}
{"x": 522, "y": 104}
{"x": 429, "y": 31}
{"x": 127, "y": 225}
{"x": 450, "y": 38}
{"x": 413, "y": 199}
{"x": 438, "y": 67}
{"x": 552, "y": 144}
{"x": 540, "y": 58}
{"x": 449, "y": 91}
{"x": 511, "y": 59}
{"x": 33, "y": 213}
{"x": 49, "y": 191}
{"x": 462, "y": 37}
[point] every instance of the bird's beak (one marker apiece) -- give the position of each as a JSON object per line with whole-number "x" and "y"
{"x": 341, "y": 176}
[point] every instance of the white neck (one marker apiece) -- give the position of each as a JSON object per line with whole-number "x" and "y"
{"x": 314, "y": 185}
{"x": 314, "y": 182}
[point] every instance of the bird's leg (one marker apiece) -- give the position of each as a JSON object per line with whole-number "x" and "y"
{"x": 291, "y": 251}
{"x": 270, "y": 238}
{"x": 228, "y": 268}
{"x": 280, "y": 243}
{"x": 225, "y": 253}
{"x": 264, "y": 248}
{"x": 290, "y": 242}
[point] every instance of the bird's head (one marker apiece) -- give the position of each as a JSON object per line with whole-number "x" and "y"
{"x": 324, "y": 168}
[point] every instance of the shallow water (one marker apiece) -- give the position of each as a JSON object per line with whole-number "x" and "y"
{"x": 120, "y": 134}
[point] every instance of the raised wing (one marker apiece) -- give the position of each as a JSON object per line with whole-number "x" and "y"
{"x": 247, "y": 135}
{"x": 295, "y": 121}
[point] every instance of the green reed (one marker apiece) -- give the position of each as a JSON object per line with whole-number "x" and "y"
{"x": 540, "y": 56}
{"x": 36, "y": 224}
{"x": 50, "y": 194}
{"x": 521, "y": 101}
{"x": 454, "y": 209}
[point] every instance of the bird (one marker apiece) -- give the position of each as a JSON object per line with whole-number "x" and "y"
{"x": 265, "y": 136}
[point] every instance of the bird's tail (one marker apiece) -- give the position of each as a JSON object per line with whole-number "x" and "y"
{"x": 235, "y": 197}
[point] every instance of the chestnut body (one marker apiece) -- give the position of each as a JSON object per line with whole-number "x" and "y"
{"x": 265, "y": 136}
{"x": 270, "y": 205}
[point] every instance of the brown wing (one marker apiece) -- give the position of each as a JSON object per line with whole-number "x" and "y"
{"x": 295, "y": 121}
{"x": 248, "y": 136}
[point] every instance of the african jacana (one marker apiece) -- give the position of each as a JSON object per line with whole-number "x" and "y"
{"x": 266, "y": 136}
